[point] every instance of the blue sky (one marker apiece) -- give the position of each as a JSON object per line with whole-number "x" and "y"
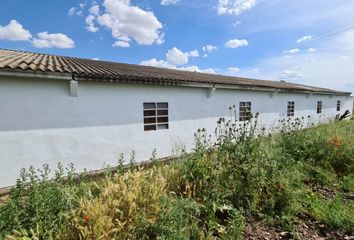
{"x": 309, "y": 42}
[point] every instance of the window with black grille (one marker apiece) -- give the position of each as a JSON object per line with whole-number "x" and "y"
{"x": 319, "y": 107}
{"x": 155, "y": 116}
{"x": 291, "y": 109}
{"x": 338, "y": 106}
{"x": 245, "y": 111}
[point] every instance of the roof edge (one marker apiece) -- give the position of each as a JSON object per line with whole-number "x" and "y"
{"x": 166, "y": 82}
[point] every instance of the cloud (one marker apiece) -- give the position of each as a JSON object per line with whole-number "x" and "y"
{"x": 94, "y": 10}
{"x": 197, "y": 69}
{"x": 311, "y": 50}
{"x": 176, "y": 57}
{"x": 123, "y": 44}
{"x": 71, "y": 11}
{"x": 209, "y": 48}
{"x": 236, "y": 43}
{"x": 90, "y": 25}
{"x": 56, "y": 40}
{"x": 234, "y": 7}
{"x": 291, "y": 51}
{"x": 304, "y": 39}
{"x": 157, "y": 63}
{"x": 14, "y": 31}
{"x": 169, "y": 2}
{"x": 76, "y": 10}
{"x": 126, "y": 22}
{"x": 236, "y": 23}
{"x": 234, "y": 69}
{"x": 163, "y": 64}
{"x": 323, "y": 68}
{"x": 292, "y": 73}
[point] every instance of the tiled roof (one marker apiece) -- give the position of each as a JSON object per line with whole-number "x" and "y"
{"x": 87, "y": 69}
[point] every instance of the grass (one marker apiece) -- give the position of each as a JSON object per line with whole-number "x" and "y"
{"x": 210, "y": 194}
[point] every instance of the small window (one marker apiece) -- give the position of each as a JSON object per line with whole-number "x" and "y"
{"x": 319, "y": 107}
{"x": 338, "y": 106}
{"x": 155, "y": 116}
{"x": 291, "y": 109}
{"x": 245, "y": 111}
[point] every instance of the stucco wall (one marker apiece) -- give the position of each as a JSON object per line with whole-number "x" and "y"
{"x": 40, "y": 123}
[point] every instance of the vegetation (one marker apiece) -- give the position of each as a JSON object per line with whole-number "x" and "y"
{"x": 247, "y": 174}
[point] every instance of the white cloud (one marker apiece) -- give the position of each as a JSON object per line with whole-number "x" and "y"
{"x": 163, "y": 64}
{"x": 94, "y": 10}
{"x": 161, "y": 39}
{"x": 236, "y": 43}
{"x": 234, "y": 69}
{"x": 311, "y": 50}
{"x": 121, "y": 44}
{"x": 169, "y": 2}
{"x": 90, "y": 25}
{"x": 76, "y": 10}
{"x": 292, "y": 73}
{"x": 157, "y": 63}
{"x": 235, "y": 24}
{"x": 71, "y": 11}
{"x": 292, "y": 51}
{"x": 176, "y": 57}
{"x": 197, "y": 69}
{"x": 209, "y": 48}
{"x": 56, "y": 40}
{"x": 127, "y": 22}
{"x": 234, "y": 7}
{"x": 14, "y": 31}
{"x": 304, "y": 39}
{"x": 326, "y": 68}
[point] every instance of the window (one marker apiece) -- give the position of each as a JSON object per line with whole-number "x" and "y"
{"x": 155, "y": 116}
{"x": 338, "y": 106}
{"x": 319, "y": 107}
{"x": 291, "y": 109}
{"x": 245, "y": 111}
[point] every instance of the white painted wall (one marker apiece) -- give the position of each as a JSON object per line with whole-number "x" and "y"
{"x": 40, "y": 123}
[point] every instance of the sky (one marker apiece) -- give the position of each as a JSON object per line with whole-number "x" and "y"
{"x": 308, "y": 42}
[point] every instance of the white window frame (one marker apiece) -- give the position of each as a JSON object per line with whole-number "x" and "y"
{"x": 290, "y": 109}
{"x": 338, "y": 105}
{"x": 155, "y": 117}
{"x": 245, "y": 111}
{"x": 319, "y": 107}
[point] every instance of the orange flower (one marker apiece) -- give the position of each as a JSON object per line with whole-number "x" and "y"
{"x": 336, "y": 141}
{"x": 87, "y": 218}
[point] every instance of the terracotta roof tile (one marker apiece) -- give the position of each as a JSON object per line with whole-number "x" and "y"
{"x": 86, "y": 69}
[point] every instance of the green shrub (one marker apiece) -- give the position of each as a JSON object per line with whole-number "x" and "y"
{"x": 178, "y": 219}
{"x": 347, "y": 183}
{"x": 204, "y": 195}
{"x": 38, "y": 203}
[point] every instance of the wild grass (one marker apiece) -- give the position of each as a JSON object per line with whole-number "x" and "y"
{"x": 246, "y": 174}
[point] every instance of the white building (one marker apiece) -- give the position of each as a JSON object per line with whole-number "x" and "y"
{"x": 70, "y": 110}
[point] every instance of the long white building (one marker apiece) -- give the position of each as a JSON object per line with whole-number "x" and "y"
{"x": 70, "y": 110}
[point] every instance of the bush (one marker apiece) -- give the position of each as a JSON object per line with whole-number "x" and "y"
{"x": 39, "y": 204}
{"x": 204, "y": 195}
{"x": 127, "y": 206}
{"x": 178, "y": 219}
